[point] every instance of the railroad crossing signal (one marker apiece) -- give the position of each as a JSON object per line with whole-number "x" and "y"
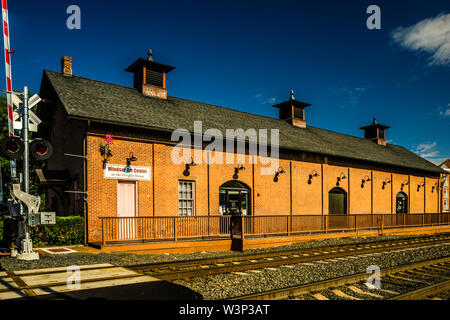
{"x": 13, "y": 148}
{"x": 34, "y": 120}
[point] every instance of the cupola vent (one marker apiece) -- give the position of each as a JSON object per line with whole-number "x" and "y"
{"x": 293, "y": 111}
{"x": 150, "y": 77}
{"x": 375, "y": 132}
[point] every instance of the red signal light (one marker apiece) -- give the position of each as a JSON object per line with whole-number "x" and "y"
{"x": 41, "y": 149}
{"x": 12, "y": 147}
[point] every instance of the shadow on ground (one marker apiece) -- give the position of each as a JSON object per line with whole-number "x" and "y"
{"x": 155, "y": 290}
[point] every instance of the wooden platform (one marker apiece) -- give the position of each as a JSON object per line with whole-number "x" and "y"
{"x": 251, "y": 243}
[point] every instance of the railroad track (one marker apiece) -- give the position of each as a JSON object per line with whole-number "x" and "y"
{"x": 36, "y": 282}
{"x": 236, "y": 263}
{"x": 419, "y": 280}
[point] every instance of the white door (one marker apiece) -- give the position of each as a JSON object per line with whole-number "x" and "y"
{"x": 126, "y": 209}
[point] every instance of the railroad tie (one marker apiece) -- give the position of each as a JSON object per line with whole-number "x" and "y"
{"x": 358, "y": 290}
{"x": 406, "y": 279}
{"x": 21, "y": 284}
{"x": 389, "y": 291}
{"x": 319, "y": 296}
{"x": 344, "y": 295}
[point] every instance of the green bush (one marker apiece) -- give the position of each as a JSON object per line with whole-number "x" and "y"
{"x": 66, "y": 231}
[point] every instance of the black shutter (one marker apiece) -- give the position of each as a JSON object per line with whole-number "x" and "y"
{"x": 154, "y": 78}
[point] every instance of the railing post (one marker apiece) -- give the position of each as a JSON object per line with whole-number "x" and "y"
{"x": 175, "y": 228}
{"x": 356, "y": 229}
{"x": 243, "y": 227}
{"x": 288, "y": 231}
{"x": 103, "y": 232}
{"x": 325, "y": 223}
{"x": 404, "y": 218}
{"x": 382, "y": 223}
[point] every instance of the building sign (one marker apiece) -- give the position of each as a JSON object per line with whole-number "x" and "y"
{"x": 122, "y": 172}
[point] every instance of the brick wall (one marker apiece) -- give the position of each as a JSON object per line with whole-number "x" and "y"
{"x": 266, "y": 197}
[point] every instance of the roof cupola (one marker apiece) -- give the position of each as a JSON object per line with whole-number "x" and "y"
{"x": 150, "y": 76}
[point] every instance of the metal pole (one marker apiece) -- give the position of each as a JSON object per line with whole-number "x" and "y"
{"x": 26, "y": 153}
{"x": 27, "y": 252}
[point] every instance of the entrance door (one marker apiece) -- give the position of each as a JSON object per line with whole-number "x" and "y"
{"x": 234, "y": 199}
{"x": 126, "y": 210}
{"x": 401, "y": 203}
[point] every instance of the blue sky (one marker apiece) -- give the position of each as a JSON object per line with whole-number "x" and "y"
{"x": 248, "y": 55}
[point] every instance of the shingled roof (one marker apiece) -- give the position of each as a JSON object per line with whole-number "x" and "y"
{"x": 100, "y": 101}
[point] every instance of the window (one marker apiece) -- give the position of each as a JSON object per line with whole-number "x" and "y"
{"x": 186, "y": 192}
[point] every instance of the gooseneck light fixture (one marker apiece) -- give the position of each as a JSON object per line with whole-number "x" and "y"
{"x": 236, "y": 172}
{"x": 364, "y": 180}
{"x": 105, "y": 150}
{"x": 420, "y": 185}
{"x": 312, "y": 175}
{"x": 130, "y": 158}
{"x": 341, "y": 177}
{"x": 186, "y": 172}
{"x": 435, "y": 186}
{"x": 404, "y": 184}
{"x": 385, "y": 182}
{"x": 279, "y": 171}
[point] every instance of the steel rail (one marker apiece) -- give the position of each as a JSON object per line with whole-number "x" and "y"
{"x": 286, "y": 293}
{"x": 423, "y": 292}
{"x": 253, "y": 256}
{"x": 173, "y": 265}
{"x": 243, "y": 265}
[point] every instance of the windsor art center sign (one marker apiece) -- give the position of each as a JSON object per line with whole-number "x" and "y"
{"x": 122, "y": 172}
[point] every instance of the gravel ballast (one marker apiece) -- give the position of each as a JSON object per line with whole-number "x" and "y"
{"x": 130, "y": 259}
{"x": 224, "y": 286}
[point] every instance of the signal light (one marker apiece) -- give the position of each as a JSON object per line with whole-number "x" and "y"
{"x": 12, "y": 147}
{"x": 41, "y": 149}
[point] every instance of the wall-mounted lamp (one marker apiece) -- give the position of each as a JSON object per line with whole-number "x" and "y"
{"x": 385, "y": 182}
{"x": 341, "y": 177}
{"x": 312, "y": 175}
{"x": 420, "y": 185}
{"x": 236, "y": 171}
{"x": 280, "y": 170}
{"x": 404, "y": 184}
{"x": 105, "y": 150}
{"x": 436, "y": 186}
{"x": 186, "y": 172}
{"x": 130, "y": 158}
{"x": 364, "y": 180}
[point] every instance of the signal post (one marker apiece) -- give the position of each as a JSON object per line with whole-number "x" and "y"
{"x": 23, "y": 206}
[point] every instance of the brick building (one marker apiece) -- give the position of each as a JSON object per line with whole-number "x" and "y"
{"x": 320, "y": 172}
{"x": 445, "y": 190}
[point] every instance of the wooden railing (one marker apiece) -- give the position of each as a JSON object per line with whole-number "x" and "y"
{"x": 201, "y": 227}
{"x": 163, "y": 228}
